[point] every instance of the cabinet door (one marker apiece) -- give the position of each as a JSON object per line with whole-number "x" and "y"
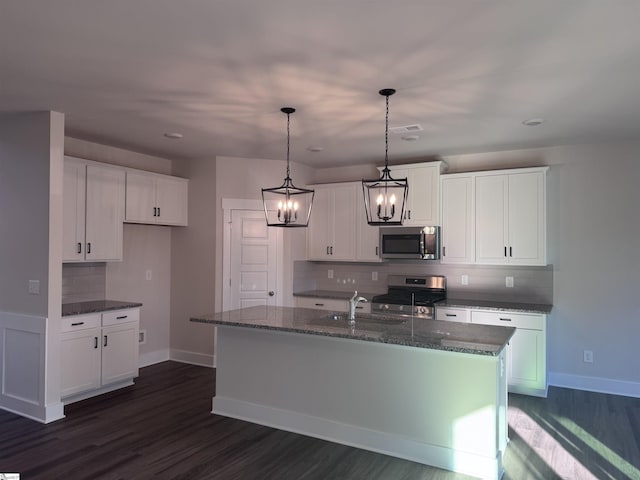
{"x": 367, "y": 236}
{"x": 141, "y": 198}
{"x": 526, "y": 359}
{"x": 491, "y": 219}
{"x": 457, "y": 220}
{"x": 423, "y": 196}
{"x": 73, "y": 211}
{"x": 119, "y": 352}
{"x": 344, "y": 223}
{"x": 105, "y": 213}
{"x": 319, "y": 236}
{"x": 171, "y": 200}
{"x": 527, "y": 219}
{"x": 79, "y": 361}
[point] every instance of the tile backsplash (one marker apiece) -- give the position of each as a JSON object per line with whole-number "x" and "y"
{"x": 83, "y": 282}
{"x": 530, "y": 284}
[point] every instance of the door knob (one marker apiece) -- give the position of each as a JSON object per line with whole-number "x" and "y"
{"x": 272, "y": 293}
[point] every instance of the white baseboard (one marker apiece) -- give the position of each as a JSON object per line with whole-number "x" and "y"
{"x": 595, "y": 384}
{"x": 150, "y": 358}
{"x": 193, "y": 358}
{"x": 380, "y": 442}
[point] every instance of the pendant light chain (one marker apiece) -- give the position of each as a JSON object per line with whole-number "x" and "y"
{"x": 288, "y": 136}
{"x": 386, "y": 137}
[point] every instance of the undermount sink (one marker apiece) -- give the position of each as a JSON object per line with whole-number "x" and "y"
{"x": 340, "y": 317}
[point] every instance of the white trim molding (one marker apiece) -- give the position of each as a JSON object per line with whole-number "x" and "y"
{"x": 595, "y": 384}
{"x": 151, "y": 358}
{"x": 193, "y": 358}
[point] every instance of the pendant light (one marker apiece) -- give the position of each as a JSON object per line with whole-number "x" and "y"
{"x": 287, "y": 205}
{"x": 385, "y": 197}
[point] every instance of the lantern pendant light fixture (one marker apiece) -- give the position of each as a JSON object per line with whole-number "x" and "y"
{"x": 385, "y": 197}
{"x": 287, "y": 205}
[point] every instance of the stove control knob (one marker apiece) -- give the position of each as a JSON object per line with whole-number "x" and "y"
{"x": 422, "y": 310}
{"x": 384, "y": 307}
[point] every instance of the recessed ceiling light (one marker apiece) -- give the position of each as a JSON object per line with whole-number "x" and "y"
{"x": 173, "y": 135}
{"x": 410, "y": 138}
{"x": 533, "y": 122}
{"x": 315, "y": 148}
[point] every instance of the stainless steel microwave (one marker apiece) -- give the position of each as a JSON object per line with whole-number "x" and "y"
{"x": 410, "y": 242}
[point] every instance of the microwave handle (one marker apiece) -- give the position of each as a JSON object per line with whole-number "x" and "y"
{"x": 422, "y": 245}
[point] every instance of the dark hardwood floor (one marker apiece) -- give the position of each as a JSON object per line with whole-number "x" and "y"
{"x": 162, "y": 428}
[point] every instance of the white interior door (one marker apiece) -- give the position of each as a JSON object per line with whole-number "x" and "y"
{"x": 253, "y": 263}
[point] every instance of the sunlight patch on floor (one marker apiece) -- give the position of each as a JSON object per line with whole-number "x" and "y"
{"x": 547, "y": 447}
{"x": 600, "y": 448}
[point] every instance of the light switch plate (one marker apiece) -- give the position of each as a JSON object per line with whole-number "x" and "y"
{"x": 329, "y": 273}
{"x": 464, "y": 280}
{"x": 508, "y": 282}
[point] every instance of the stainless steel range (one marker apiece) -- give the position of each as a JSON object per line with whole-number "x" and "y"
{"x": 411, "y": 296}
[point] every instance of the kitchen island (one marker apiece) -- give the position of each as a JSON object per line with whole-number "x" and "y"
{"x": 428, "y": 391}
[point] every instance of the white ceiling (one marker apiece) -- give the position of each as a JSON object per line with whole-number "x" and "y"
{"x": 126, "y": 71}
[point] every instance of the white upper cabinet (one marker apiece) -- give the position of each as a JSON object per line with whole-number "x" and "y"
{"x": 331, "y": 234}
{"x": 422, "y": 207}
{"x": 93, "y": 212}
{"x": 457, "y": 219}
{"x": 510, "y": 217}
{"x": 367, "y": 236}
{"x": 156, "y": 199}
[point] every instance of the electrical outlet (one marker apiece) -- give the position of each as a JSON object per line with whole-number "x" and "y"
{"x": 374, "y": 276}
{"x": 329, "y": 273}
{"x": 508, "y": 281}
{"x": 142, "y": 337}
{"x": 464, "y": 280}
{"x": 587, "y": 356}
{"x": 34, "y": 287}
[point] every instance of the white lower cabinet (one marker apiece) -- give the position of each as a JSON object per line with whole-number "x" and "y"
{"x": 331, "y": 304}
{"x": 527, "y": 349}
{"x": 453, "y": 314}
{"x": 98, "y": 352}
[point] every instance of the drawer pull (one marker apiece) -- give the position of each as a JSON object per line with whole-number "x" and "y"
{"x": 451, "y": 314}
{"x": 319, "y": 304}
{"x": 359, "y": 308}
{"x": 77, "y": 324}
{"x": 79, "y": 247}
{"x": 95, "y": 342}
{"x": 122, "y": 317}
{"x": 105, "y": 341}
{"x": 505, "y": 319}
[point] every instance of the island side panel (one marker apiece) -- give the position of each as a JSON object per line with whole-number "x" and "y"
{"x": 436, "y": 407}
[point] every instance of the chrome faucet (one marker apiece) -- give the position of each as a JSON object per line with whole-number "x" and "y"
{"x": 353, "y": 303}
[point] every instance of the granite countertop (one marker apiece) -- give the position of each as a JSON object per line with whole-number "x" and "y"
{"x": 95, "y": 306}
{"x": 334, "y": 294}
{"x": 419, "y": 333}
{"x": 495, "y": 305}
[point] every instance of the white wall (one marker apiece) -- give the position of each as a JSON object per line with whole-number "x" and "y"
{"x": 594, "y": 227}
{"x": 31, "y": 147}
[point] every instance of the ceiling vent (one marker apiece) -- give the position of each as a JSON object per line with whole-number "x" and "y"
{"x": 407, "y": 129}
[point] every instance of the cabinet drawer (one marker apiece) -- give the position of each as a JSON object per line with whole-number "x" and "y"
{"x": 518, "y": 320}
{"x": 453, "y": 314}
{"x": 75, "y": 323}
{"x": 120, "y": 316}
{"x": 322, "y": 303}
